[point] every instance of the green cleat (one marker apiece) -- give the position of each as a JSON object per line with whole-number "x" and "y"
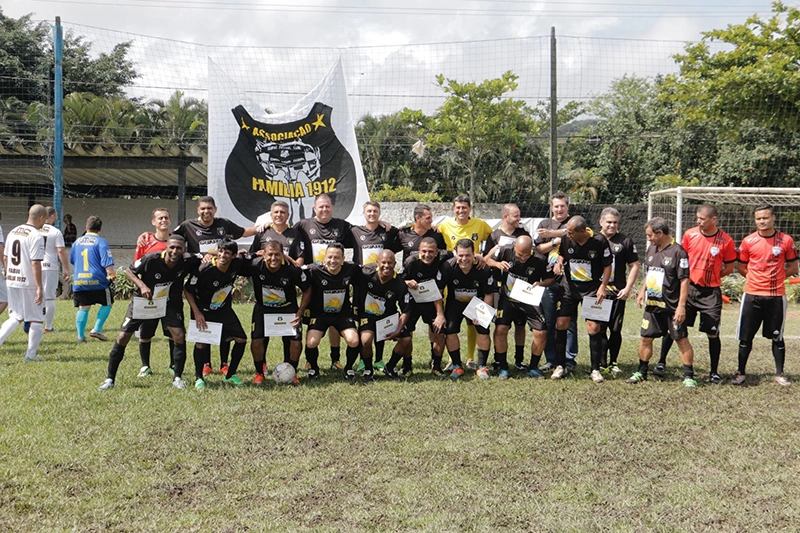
{"x": 360, "y": 366}
{"x": 199, "y": 384}
{"x": 637, "y": 377}
{"x": 378, "y": 365}
{"x": 689, "y": 383}
{"x": 233, "y": 380}
{"x": 145, "y": 371}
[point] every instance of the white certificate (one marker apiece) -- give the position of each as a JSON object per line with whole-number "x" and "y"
{"x": 479, "y": 310}
{"x": 212, "y": 335}
{"x": 591, "y": 310}
{"x": 426, "y": 292}
{"x": 526, "y": 293}
{"x": 144, "y": 309}
{"x": 386, "y": 326}
{"x": 279, "y": 325}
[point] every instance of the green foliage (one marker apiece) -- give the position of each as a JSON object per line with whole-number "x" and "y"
{"x": 733, "y": 286}
{"x": 403, "y": 194}
{"x": 124, "y": 287}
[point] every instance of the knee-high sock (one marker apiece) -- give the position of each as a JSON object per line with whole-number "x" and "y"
{"x": 455, "y": 357}
{"x": 393, "y": 360}
{"x": 236, "y": 357}
{"x": 472, "y": 342}
{"x": 483, "y": 356}
{"x": 714, "y": 351}
{"x": 287, "y": 350}
{"x": 102, "y": 316}
{"x": 502, "y": 359}
{"x": 224, "y": 350}
{"x": 379, "y": 350}
{"x": 114, "y": 359}
{"x": 519, "y": 354}
{"x": 178, "y": 358}
{"x": 351, "y": 354}
{"x": 666, "y": 344}
{"x": 779, "y": 354}
{"x": 598, "y": 344}
{"x": 144, "y": 353}
{"x": 561, "y": 347}
{"x": 336, "y": 353}
{"x": 201, "y": 357}
{"x": 614, "y": 346}
{"x": 36, "y": 332}
{"x": 49, "y": 313}
{"x": 7, "y": 329}
{"x": 81, "y": 318}
{"x": 744, "y": 355}
{"x": 312, "y": 356}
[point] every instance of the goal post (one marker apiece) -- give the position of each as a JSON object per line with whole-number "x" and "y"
{"x": 735, "y": 206}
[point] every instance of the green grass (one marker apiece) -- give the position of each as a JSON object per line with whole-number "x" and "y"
{"x": 425, "y": 454}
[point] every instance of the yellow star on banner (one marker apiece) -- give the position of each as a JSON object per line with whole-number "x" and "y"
{"x": 318, "y": 123}
{"x": 245, "y": 126}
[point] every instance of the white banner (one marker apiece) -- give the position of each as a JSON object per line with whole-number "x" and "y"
{"x": 294, "y": 156}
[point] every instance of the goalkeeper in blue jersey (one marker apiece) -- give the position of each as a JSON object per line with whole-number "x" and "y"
{"x": 93, "y": 279}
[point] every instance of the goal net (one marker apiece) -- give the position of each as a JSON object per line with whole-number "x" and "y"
{"x": 734, "y": 204}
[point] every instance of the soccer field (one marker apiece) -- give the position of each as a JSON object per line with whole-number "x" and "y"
{"x": 426, "y": 454}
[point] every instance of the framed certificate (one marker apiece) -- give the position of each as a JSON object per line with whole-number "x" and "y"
{"x": 276, "y": 325}
{"x": 479, "y": 310}
{"x": 386, "y": 326}
{"x": 212, "y": 335}
{"x": 526, "y": 293}
{"x": 591, "y": 310}
{"x": 144, "y": 309}
{"x": 426, "y": 292}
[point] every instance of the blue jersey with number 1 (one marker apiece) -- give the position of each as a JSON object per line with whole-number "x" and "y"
{"x": 90, "y": 255}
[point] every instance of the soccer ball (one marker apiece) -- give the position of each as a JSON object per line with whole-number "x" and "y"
{"x": 284, "y": 373}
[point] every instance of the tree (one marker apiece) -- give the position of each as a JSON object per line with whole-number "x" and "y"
{"x": 756, "y": 77}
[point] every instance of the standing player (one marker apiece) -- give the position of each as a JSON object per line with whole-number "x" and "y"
{"x": 290, "y": 239}
{"x": 93, "y": 280}
{"x": 624, "y": 256}
{"x": 464, "y": 281}
{"x": 712, "y": 254}
{"x": 664, "y": 294}
{"x": 463, "y": 226}
{"x": 275, "y": 285}
{"x": 24, "y": 253}
{"x": 548, "y": 241}
{"x": 585, "y": 262}
{"x": 519, "y": 262}
{"x": 506, "y": 235}
{"x": 54, "y": 251}
{"x": 411, "y": 236}
{"x": 157, "y": 274}
{"x": 208, "y": 292}
{"x": 766, "y": 258}
{"x": 154, "y": 241}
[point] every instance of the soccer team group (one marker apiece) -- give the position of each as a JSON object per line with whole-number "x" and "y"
{"x": 444, "y": 269}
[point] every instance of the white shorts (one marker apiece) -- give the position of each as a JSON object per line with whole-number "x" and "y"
{"x": 50, "y": 284}
{"x": 22, "y": 307}
{"x": 3, "y": 290}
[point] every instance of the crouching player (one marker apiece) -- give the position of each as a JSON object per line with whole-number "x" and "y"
{"x": 275, "y": 284}
{"x": 382, "y": 294}
{"x": 153, "y": 275}
{"x": 519, "y": 262}
{"x": 463, "y": 280}
{"x": 209, "y": 295}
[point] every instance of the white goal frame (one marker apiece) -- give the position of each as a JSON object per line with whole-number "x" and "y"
{"x": 776, "y": 196}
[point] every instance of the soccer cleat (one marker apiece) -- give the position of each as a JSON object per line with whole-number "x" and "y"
{"x": 33, "y": 358}
{"x": 360, "y": 366}
{"x": 258, "y": 379}
{"x": 199, "y": 384}
{"x": 145, "y": 371}
{"x": 178, "y": 383}
{"x": 738, "y": 379}
{"x": 438, "y": 372}
{"x": 503, "y": 374}
{"x": 596, "y": 376}
{"x": 689, "y": 383}
{"x": 80, "y": 340}
{"x": 207, "y": 370}
{"x": 715, "y": 379}
{"x": 522, "y": 367}
{"x": 108, "y": 384}
{"x": 313, "y": 374}
{"x": 407, "y": 374}
{"x": 782, "y": 380}
{"x": 295, "y": 381}
{"x": 534, "y": 373}
{"x": 171, "y": 371}
{"x": 558, "y": 373}
{"x": 637, "y": 377}
{"x": 496, "y": 366}
{"x": 390, "y": 372}
{"x": 336, "y": 365}
{"x": 614, "y": 369}
{"x": 350, "y": 375}
{"x": 660, "y": 370}
{"x": 367, "y": 377}
{"x": 378, "y": 365}
{"x": 547, "y": 367}
{"x": 98, "y": 335}
{"x": 482, "y": 373}
{"x": 471, "y": 364}
{"x": 233, "y": 380}
{"x": 457, "y": 372}
{"x": 449, "y": 366}
{"x": 26, "y": 327}
{"x": 223, "y": 369}
{"x": 50, "y": 330}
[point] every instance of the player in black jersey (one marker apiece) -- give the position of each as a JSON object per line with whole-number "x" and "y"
{"x": 411, "y": 236}
{"x": 203, "y": 235}
{"x": 463, "y": 281}
{"x": 425, "y": 268}
{"x": 278, "y": 230}
{"x": 331, "y": 307}
{"x": 664, "y": 294}
{"x": 382, "y": 295}
{"x": 585, "y": 262}
{"x": 275, "y": 284}
{"x": 506, "y": 235}
{"x": 156, "y": 275}
{"x": 208, "y": 292}
{"x": 624, "y": 257}
{"x": 519, "y": 262}
{"x": 372, "y": 238}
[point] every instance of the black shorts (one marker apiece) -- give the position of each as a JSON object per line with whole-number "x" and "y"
{"x": 656, "y": 325}
{"x": 367, "y": 323}
{"x": 707, "y": 301}
{"x": 257, "y": 323}
{"x": 88, "y": 298}
{"x": 454, "y": 316}
{"x": 617, "y": 315}
{"x": 231, "y": 327}
{"x": 337, "y": 321}
{"x": 426, "y": 311}
{"x": 568, "y": 303}
{"x": 757, "y": 310}
{"x": 518, "y": 313}
{"x": 147, "y": 328}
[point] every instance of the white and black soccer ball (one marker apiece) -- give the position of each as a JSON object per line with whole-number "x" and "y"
{"x": 284, "y": 373}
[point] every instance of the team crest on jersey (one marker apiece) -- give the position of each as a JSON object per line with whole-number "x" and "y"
{"x": 389, "y": 295}
{"x": 684, "y": 263}
{"x": 776, "y": 251}
{"x": 312, "y": 231}
{"x": 411, "y": 244}
{"x": 369, "y": 285}
{"x": 439, "y": 276}
{"x": 383, "y": 236}
{"x": 220, "y": 231}
{"x": 666, "y": 261}
{"x": 363, "y": 238}
{"x": 650, "y": 259}
{"x": 289, "y": 241}
{"x": 335, "y": 232}
{"x": 324, "y": 282}
{"x": 198, "y": 232}
{"x": 529, "y": 271}
{"x": 216, "y": 284}
{"x": 158, "y": 275}
{"x": 476, "y": 284}
{"x": 714, "y": 251}
{"x": 474, "y": 236}
{"x": 346, "y": 281}
{"x": 617, "y": 248}
{"x": 284, "y": 281}
{"x": 571, "y": 251}
{"x": 262, "y": 277}
{"x": 455, "y": 282}
{"x": 592, "y": 254}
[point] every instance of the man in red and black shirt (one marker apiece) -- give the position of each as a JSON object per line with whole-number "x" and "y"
{"x": 766, "y": 258}
{"x": 712, "y": 254}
